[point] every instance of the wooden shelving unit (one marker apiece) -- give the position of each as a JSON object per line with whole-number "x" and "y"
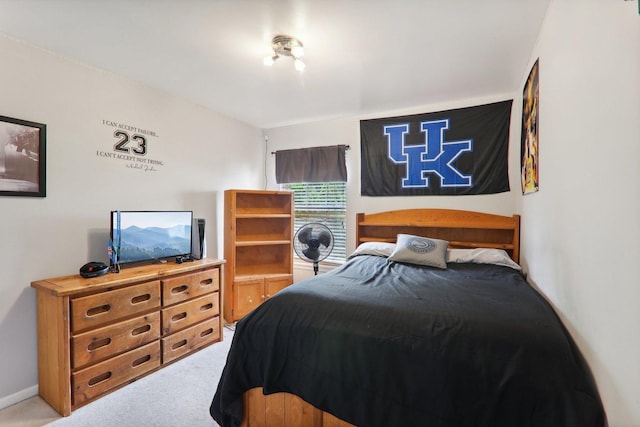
{"x": 258, "y": 248}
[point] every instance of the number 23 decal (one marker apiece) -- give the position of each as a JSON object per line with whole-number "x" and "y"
{"x": 124, "y": 140}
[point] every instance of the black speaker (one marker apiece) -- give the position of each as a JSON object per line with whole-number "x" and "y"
{"x": 198, "y": 242}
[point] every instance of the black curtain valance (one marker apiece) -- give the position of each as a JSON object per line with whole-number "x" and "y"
{"x": 315, "y": 164}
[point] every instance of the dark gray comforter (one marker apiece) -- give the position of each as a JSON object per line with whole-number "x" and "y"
{"x": 378, "y": 343}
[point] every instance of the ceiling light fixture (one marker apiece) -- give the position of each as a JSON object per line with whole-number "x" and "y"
{"x": 286, "y": 46}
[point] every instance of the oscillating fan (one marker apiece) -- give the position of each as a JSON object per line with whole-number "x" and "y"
{"x": 313, "y": 242}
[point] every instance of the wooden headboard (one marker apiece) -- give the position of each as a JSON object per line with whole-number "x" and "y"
{"x": 462, "y": 229}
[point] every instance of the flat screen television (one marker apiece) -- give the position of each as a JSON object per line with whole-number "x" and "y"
{"x": 150, "y": 236}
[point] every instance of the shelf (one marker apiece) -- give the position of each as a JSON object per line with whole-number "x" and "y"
{"x": 262, "y": 215}
{"x": 262, "y": 242}
{"x": 261, "y": 276}
{"x": 378, "y": 239}
{"x": 473, "y": 245}
{"x": 434, "y": 224}
{"x": 251, "y": 254}
{"x": 268, "y": 228}
{"x": 261, "y": 270}
{"x": 262, "y": 202}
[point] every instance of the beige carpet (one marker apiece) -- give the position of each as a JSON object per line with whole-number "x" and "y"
{"x": 176, "y": 396}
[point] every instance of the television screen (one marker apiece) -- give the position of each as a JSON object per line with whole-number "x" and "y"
{"x": 147, "y": 236}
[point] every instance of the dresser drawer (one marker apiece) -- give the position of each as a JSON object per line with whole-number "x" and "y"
{"x": 188, "y": 313}
{"x": 98, "y": 344}
{"x": 187, "y": 286}
{"x": 187, "y": 340}
{"x": 97, "y": 379}
{"x": 94, "y": 310}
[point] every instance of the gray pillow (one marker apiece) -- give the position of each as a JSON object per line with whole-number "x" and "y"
{"x": 420, "y": 250}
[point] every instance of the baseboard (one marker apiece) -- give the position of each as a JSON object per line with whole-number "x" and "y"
{"x": 14, "y": 398}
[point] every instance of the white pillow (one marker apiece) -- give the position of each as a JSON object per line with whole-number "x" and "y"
{"x": 420, "y": 250}
{"x": 383, "y": 249}
{"x": 482, "y": 256}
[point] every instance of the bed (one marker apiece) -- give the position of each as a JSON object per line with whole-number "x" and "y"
{"x": 394, "y": 337}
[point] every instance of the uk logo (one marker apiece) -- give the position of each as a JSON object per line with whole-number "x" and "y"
{"x": 436, "y": 157}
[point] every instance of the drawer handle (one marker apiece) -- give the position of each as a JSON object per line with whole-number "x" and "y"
{"x": 141, "y": 330}
{"x": 206, "y": 332}
{"x": 179, "y": 344}
{"x": 98, "y": 310}
{"x": 140, "y": 298}
{"x": 179, "y": 316}
{"x": 99, "y": 379}
{"x": 98, "y": 344}
{"x": 179, "y": 289}
{"x": 206, "y": 307}
{"x": 141, "y": 360}
{"x": 206, "y": 282}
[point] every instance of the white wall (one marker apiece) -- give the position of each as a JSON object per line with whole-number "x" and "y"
{"x": 347, "y": 131}
{"x": 202, "y": 152}
{"x": 581, "y": 231}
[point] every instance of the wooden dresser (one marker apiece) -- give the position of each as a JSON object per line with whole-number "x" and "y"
{"x": 96, "y": 335}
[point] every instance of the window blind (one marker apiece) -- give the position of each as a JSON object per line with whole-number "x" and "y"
{"x": 326, "y": 203}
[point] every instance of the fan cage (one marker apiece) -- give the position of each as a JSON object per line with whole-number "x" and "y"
{"x": 324, "y": 242}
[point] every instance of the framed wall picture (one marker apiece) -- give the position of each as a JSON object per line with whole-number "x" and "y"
{"x": 22, "y": 158}
{"x": 529, "y": 139}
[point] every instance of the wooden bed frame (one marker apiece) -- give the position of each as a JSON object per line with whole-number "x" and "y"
{"x": 462, "y": 229}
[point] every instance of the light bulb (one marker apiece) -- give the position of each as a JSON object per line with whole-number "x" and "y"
{"x": 269, "y": 60}
{"x": 299, "y": 65}
{"x": 297, "y": 51}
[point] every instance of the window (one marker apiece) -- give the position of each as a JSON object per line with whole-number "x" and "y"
{"x": 326, "y": 203}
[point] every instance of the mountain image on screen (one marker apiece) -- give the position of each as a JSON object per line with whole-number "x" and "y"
{"x": 139, "y": 244}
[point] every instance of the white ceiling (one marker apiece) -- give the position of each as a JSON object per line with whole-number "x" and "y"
{"x": 362, "y": 56}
